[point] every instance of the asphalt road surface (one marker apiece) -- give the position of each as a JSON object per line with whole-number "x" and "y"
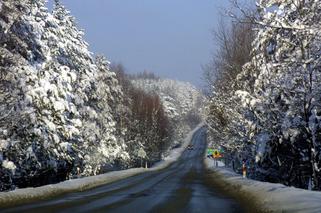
{"x": 179, "y": 188}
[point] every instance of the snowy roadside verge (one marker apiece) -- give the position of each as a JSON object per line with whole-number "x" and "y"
{"x": 27, "y": 195}
{"x": 269, "y": 196}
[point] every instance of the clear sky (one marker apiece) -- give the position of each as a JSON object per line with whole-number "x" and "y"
{"x": 171, "y": 38}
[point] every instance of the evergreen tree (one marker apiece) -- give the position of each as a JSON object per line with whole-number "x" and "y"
{"x": 26, "y": 140}
{"x": 56, "y": 121}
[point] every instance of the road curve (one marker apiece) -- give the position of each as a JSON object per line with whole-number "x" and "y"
{"x": 180, "y": 187}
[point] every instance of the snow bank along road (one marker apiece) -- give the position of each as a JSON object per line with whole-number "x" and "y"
{"x": 272, "y": 197}
{"x": 181, "y": 187}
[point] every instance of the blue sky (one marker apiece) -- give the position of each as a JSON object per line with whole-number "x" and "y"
{"x": 171, "y": 38}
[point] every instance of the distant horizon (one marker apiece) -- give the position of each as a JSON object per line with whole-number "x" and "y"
{"x": 151, "y": 36}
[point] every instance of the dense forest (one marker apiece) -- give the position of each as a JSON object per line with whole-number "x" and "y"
{"x": 265, "y": 105}
{"x": 183, "y": 103}
{"x": 65, "y": 113}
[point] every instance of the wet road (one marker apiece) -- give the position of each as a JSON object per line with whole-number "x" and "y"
{"x": 178, "y": 188}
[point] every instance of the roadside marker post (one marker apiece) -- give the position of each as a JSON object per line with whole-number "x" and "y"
{"x": 244, "y": 169}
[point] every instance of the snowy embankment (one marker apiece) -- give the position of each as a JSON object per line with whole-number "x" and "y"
{"x": 27, "y": 195}
{"x": 270, "y": 196}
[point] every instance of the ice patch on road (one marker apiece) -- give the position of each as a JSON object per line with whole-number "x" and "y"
{"x": 27, "y": 195}
{"x": 274, "y": 197}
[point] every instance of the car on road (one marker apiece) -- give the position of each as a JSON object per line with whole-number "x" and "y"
{"x": 190, "y": 147}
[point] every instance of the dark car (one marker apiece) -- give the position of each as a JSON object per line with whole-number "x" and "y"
{"x": 190, "y": 147}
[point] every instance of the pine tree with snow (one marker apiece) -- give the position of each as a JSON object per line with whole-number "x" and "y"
{"x": 22, "y": 54}
{"x": 96, "y": 95}
{"x": 56, "y": 120}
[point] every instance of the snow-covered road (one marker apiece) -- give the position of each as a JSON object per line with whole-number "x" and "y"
{"x": 181, "y": 187}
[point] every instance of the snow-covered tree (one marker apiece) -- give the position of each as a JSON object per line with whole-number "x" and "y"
{"x": 144, "y": 120}
{"x": 279, "y": 91}
{"x": 23, "y": 146}
{"x": 97, "y": 96}
{"x": 57, "y": 104}
{"x": 225, "y": 111}
{"x": 287, "y": 60}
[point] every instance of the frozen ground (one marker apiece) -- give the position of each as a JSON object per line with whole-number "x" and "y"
{"x": 20, "y": 196}
{"x": 275, "y": 197}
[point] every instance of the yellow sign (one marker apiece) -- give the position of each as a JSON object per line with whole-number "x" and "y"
{"x": 216, "y": 153}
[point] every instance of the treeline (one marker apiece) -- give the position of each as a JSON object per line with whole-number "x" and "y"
{"x": 144, "y": 75}
{"x": 183, "y": 103}
{"x": 265, "y": 103}
{"x": 63, "y": 113}
{"x": 147, "y": 125}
